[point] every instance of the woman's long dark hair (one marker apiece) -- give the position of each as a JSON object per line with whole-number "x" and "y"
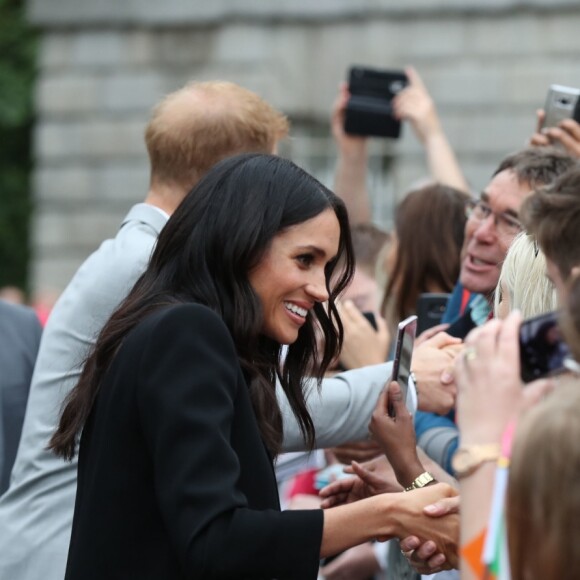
{"x": 216, "y": 236}
{"x": 429, "y": 224}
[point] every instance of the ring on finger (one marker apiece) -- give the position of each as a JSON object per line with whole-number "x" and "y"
{"x": 470, "y": 353}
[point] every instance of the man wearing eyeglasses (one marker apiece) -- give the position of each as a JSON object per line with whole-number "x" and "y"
{"x": 492, "y": 224}
{"x": 491, "y": 227}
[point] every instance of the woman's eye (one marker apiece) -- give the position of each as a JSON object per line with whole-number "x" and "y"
{"x": 305, "y": 259}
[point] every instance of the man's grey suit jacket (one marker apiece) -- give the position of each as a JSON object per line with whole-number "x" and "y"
{"x": 36, "y": 512}
{"x": 20, "y": 332}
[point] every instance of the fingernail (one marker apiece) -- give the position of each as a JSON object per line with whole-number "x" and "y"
{"x": 431, "y": 509}
{"x": 412, "y": 544}
{"x": 437, "y": 561}
{"x": 446, "y": 377}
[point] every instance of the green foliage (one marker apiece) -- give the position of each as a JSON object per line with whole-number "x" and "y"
{"x": 17, "y": 72}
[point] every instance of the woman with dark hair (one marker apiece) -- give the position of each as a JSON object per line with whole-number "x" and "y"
{"x": 424, "y": 255}
{"x": 177, "y": 403}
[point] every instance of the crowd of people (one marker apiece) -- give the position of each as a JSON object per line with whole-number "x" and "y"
{"x": 244, "y": 310}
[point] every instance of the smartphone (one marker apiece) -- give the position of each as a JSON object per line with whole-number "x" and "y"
{"x": 542, "y": 349}
{"x": 369, "y": 111}
{"x": 561, "y": 103}
{"x": 430, "y": 309}
{"x": 370, "y": 316}
{"x": 403, "y": 352}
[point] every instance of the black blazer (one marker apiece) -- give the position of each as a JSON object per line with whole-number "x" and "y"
{"x": 174, "y": 478}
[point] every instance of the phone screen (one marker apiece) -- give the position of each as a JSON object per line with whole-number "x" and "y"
{"x": 542, "y": 350}
{"x": 403, "y": 354}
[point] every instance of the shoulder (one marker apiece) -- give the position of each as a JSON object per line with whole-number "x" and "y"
{"x": 183, "y": 314}
{"x": 187, "y": 344}
{"x": 17, "y": 315}
{"x": 191, "y": 322}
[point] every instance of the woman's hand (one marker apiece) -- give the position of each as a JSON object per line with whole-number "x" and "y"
{"x": 362, "y": 345}
{"x": 426, "y": 538}
{"x": 396, "y": 434}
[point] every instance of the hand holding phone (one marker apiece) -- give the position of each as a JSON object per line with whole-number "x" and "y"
{"x": 561, "y": 103}
{"x": 406, "y": 331}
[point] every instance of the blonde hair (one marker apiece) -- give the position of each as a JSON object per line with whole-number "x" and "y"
{"x": 202, "y": 123}
{"x": 543, "y": 498}
{"x": 523, "y": 274}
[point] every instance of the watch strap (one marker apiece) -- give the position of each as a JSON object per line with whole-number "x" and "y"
{"x": 471, "y": 457}
{"x": 421, "y": 481}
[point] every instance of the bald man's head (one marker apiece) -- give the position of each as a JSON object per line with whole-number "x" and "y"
{"x": 202, "y": 123}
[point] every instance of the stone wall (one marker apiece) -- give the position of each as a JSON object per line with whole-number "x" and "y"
{"x": 103, "y": 65}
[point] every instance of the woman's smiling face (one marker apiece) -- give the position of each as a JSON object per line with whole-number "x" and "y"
{"x": 291, "y": 278}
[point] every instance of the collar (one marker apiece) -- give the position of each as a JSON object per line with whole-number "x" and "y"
{"x": 148, "y": 214}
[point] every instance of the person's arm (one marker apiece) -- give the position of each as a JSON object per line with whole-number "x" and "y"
{"x": 392, "y": 515}
{"x": 415, "y": 105}
{"x": 490, "y": 395}
{"x": 342, "y": 408}
{"x": 438, "y": 437}
{"x": 396, "y": 435}
{"x": 350, "y": 181}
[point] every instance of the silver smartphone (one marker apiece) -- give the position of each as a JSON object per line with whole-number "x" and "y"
{"x": 561, "y": 103}
{"x": 403, "y": 353}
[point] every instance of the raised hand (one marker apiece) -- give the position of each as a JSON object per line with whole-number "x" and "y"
{"x": 396, "y": 434}
{"x": 362, "y": 345}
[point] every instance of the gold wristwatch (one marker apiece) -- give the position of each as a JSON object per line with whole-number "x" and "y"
{"x": 421, "y": 481}
{"x": 469, "y": 458}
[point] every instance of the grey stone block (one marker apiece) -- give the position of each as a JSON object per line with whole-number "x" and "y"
{"x": 122, "y": 184}
{"x": 74, "y": 227}
{"x": 105, "y": 139}
{"x": 133, "y": 90}
{"x": 53, "y": 273}
{"x": 70, "y": 183}
{"x": 65, "y": 94}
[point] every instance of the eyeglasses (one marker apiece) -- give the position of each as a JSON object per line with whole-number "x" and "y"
{"x": 505, "y": 224}
{"x": 536, "y": 247}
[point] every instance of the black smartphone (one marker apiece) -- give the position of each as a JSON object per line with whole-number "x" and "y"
{"x": 370, "y": 316}
{"x": 561, "y": 103}
{"x": 430, "y": 309}
{"x": 369, "y": 110}
{"x": 542, "y": 349}
{"x": 406, "y": 331}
